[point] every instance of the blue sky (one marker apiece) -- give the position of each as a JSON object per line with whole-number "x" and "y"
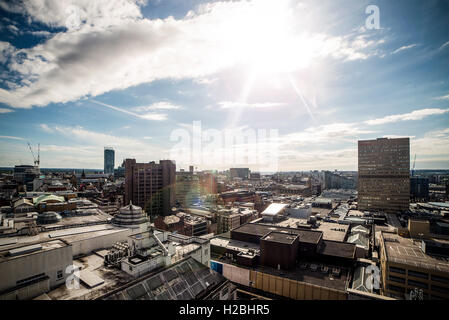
{"x": 80, "y": 75}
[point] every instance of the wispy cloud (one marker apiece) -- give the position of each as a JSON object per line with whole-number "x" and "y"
{"x": 335, "y": 132}
{"x": 444, "y": 45}
{"x": 157, "y": 106}
{"x": 414, "y": 115}
{"x": 5, "y": 110}
{"x": 260, "y": 105}
{"x": 404, "y": 48}
{"x": 146, "y": 116}
{"x": 443, "y": 98}
{"x": 11, "y": 137}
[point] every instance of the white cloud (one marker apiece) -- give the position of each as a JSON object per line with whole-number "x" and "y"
{"x": 11, "y": 137}
{"x": 414, "y": 115}
{"x": 260, "y": 105}
{"x": 5, "y": 110}
{"x": 326, "y": 134}
{"x": 6, "y": 50}
{"x": 68, "y": 13}
{"x": 89, "y": 144}
{"x": 46, "y": 128}
{"x": 434, "y": 145}
{"x": 443, "y": 97}
{"x": 404, "y": 48}
{"x": 115, "y": 48}
{"x": 157, "y": 106}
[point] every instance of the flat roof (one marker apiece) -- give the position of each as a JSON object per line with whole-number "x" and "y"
{"x": 304, "y": 275}
{"x": 261, "y": 230}
{"x": 337, "y": 249}
{"x": 234, "y": 244}
{"x": 331, "y": 230}
{"x": 280, "y": 237}
{"x": 29, "y": 249}
{"x": 408, "y": 252}
{"x": 113, "y": 278}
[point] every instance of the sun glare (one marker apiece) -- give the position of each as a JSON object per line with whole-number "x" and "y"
{"x": 264, "y": 39}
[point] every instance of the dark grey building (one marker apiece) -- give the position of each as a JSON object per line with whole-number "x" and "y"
{"x": 109, "y": 160}
{"x": 419, "y": 188}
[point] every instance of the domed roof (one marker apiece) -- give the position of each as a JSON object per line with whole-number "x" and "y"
{"x": 131, "y": 207}
{"x": 130, "y": 216}
{"x": 48, "y": 217}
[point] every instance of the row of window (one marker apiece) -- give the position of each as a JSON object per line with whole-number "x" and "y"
{"x": 418, "y": 274}
{"x": 32, "y": 278}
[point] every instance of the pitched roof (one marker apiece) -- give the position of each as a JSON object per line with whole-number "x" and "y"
{"x": 21, "y": 202}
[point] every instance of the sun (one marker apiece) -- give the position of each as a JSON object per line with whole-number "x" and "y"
{"x": 264, "y": 38}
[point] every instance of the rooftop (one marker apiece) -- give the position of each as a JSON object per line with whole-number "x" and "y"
{"x": 47, "y": 197}
{"x": 303, "y": 274}
{"x": 274, "y": 209}
{"x": 280, "y": 237}
{"x": 261, "y": 230}
{"x": 185, "y": 280}
{"x": 408, "y": 252}
{"x": 235, "y": 245}
{"x": 337, "y": 249}
{"x": 94, "y": 264}
{"x": 18, "y": 251}
{"x": 331, "y": 230}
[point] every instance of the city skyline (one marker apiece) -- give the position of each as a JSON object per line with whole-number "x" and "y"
{"x": 84, "y": 77}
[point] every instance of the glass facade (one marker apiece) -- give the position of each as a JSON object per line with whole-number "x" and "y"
{"x": 109, "y": 160}
{"x": 384, "y": 174}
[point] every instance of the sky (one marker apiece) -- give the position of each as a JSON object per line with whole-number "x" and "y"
{"x": 295, "y": 82}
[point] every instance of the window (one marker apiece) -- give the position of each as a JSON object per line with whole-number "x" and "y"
{"x": 418, "y": 284}
{"x": 397, "y": 270}
{"x": 59, "y": 275}
{"x": 396, "y": 279}
{"x": 440, "y": 289}
{"x": 417, "y": 274}
{"x": 33, "y": 278}
{"x": 440, "y": 279}
{"x": 396, "y": 288}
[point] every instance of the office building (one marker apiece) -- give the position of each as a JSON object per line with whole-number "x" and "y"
{"x": 187, "y": 188}
{"x": 208, "y": 183}
{"x": 24, "y": 175}
{"x": 151, "y": 186}
{"x": 275, "y": 262}
{"x": 384, "y": 174}
{"x": 336, "y": 180}
{"x": 109, "y": 160}
{"x": 419, "y": 188}
{"x": 414, "y": 264}
{"x": 242, "y": 173}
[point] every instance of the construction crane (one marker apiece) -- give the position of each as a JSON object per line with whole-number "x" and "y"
{"x": 38, "y": 160}
{"x": 413, "y": 168}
